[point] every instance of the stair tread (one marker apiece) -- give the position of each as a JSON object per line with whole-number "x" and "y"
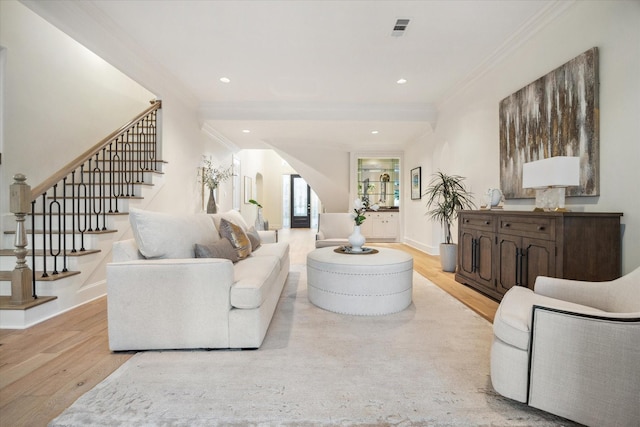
{"x": 39, "y": 252}
{"x": 67, "y": 232}
{"x": 148, "y": 184}
{"x": 6, "y": 275}
{"x": 76, "y": 213}
{"x": 5, "y": 303}
{"x": 98, "y": 197}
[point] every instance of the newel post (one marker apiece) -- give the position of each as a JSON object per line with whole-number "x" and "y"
{"x": 20, "y": 205}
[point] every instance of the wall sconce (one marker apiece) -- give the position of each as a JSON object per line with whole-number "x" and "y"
{"x": 550, "y": 177}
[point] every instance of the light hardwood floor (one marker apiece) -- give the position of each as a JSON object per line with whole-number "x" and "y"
{"x": 45, "y": 368}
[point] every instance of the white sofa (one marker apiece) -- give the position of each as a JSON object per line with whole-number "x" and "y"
{"x": 160, "y": 296}
{"x": 334, "y": 229}
{"x": 571, "y": 348}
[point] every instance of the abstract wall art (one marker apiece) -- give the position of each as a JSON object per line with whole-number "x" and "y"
{"x": 556, "y": 115}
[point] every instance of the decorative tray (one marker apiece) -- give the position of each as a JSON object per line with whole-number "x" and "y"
{"x": 347, "y": 250}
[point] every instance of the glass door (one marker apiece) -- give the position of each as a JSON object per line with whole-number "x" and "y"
{"x": 300, "y": 203}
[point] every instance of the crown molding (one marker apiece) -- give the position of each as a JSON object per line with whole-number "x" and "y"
{"x": 530, "y": 28}
{"x": 211, "y": 132}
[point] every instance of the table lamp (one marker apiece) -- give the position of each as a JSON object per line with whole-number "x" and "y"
{"x": 550, "y": 177}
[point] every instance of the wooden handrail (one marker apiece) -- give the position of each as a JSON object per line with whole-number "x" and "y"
{"x": 40, "y": 189}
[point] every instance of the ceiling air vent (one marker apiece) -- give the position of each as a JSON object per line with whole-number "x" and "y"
{"x": 400, "y": 27}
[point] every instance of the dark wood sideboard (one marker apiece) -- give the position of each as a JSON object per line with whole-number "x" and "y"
{"x": 501, "y": 249}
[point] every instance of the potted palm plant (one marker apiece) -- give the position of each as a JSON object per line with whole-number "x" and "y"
{"x": 446, "y": 195}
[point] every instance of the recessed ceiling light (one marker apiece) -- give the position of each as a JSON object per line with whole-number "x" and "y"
{"x": 375, "y": 132}
{"x": 246, "y": 131}
{"x": 225, "y": 79}
{"x": 401, "y": 81}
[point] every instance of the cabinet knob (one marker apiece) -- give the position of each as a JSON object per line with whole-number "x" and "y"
{"x": 466, "y": 220}
{"x": 540, "y": 228}
{"x": 487, "y": 222}
{"x": 506, "y": 224}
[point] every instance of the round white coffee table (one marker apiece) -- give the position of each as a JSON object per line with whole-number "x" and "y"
{"x": 360, "y": 284}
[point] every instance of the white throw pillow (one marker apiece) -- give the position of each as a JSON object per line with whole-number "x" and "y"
{"x": 161, "y": 235}
{"x": 231, "y": 216}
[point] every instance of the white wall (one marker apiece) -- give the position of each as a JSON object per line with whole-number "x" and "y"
{"x": 271, "y": 167}
{"x": 59, "y": 98}
{"x": 466, "y": 138}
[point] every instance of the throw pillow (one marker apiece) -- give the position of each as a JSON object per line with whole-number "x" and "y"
{"x": 237, "y": 237}
{"x": 220, "y": 249}
{"x": 232, "y": 216}
{"x": 162, "y": 235}
{"x": 254, "y": 238}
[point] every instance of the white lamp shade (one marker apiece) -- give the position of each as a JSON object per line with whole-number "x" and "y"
{"x": 560, "y": 171}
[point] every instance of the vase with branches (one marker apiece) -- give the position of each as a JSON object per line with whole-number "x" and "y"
{"x": 446, "y": 195}
{"x": 212, "y": 176}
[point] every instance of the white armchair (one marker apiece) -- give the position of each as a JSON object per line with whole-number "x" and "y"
{"x": 334, "y": 229}
{"x": 571, "y": 348}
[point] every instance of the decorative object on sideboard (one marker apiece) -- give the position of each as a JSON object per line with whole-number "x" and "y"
{"x": 550, "y": 178}
{"x": 212, "y": 177}
{"x": 446, "y": 195}
{"x": 493, "y": 197}
{"x": 556, "y": 115}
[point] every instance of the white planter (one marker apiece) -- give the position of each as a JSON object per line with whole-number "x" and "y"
{"x": 448, "y": 256}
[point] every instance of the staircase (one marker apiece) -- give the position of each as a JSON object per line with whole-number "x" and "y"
{"x": 53, "y": 257}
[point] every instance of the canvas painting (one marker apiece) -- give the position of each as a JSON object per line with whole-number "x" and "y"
{"x": 556, "y": 115}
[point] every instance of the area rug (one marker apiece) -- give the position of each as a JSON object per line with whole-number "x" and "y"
{"x": 425, "y": 366}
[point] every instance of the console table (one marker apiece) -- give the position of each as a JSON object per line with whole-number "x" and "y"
{"x": 501, "y": 249}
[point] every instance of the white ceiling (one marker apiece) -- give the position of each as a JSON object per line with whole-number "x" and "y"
{"x": 317, "y": 72}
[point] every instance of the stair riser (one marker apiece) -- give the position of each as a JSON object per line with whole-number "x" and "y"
{"x": 89, "y": 241}
{"x": 99, "y": 204}
{"x": 9, "y": 263}
{"x": 69, "y": 221}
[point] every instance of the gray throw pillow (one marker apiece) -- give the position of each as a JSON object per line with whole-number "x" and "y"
{"x": 236, "y": 235}
{"x": 220, "y": 249}
{"x": 254, "y": 238}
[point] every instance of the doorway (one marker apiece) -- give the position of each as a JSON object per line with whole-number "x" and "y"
{"x": 300, "y": 203}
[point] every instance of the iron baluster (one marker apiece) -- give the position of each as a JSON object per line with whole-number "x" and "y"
{"x": 96, "y": 198}
{"x": 128, "y": 164}
{"x": 64, "y": 225}
{"x": 103, "y": 198}
{"x": 44, "y": 235}
{"x": 73, "y": 212}
{"x": 54, "y": 252}
{"x": 82, "y": 213}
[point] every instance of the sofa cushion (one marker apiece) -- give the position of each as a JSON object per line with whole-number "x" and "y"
{"x": 237, "y": 237}
{"x": 512, "y": 322}
{"x": 254, "y": 238}
{"x": 280, "y": 250}
{"x": 254, "y": 280}
{"x": 220, "y": 249}
{"x": 162, "y": 235}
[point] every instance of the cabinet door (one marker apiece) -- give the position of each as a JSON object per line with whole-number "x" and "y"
{"x": 522, "y": 259}
{"x": 484, "y": 259}
{"x": 508, "y": 262}
{"x": 466, "y": 252}
{"x": 476, "y": 256}
{"x": 540, "y": 260}
{"x": 366, "y": 229}
{"x": 388, "y": 226}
